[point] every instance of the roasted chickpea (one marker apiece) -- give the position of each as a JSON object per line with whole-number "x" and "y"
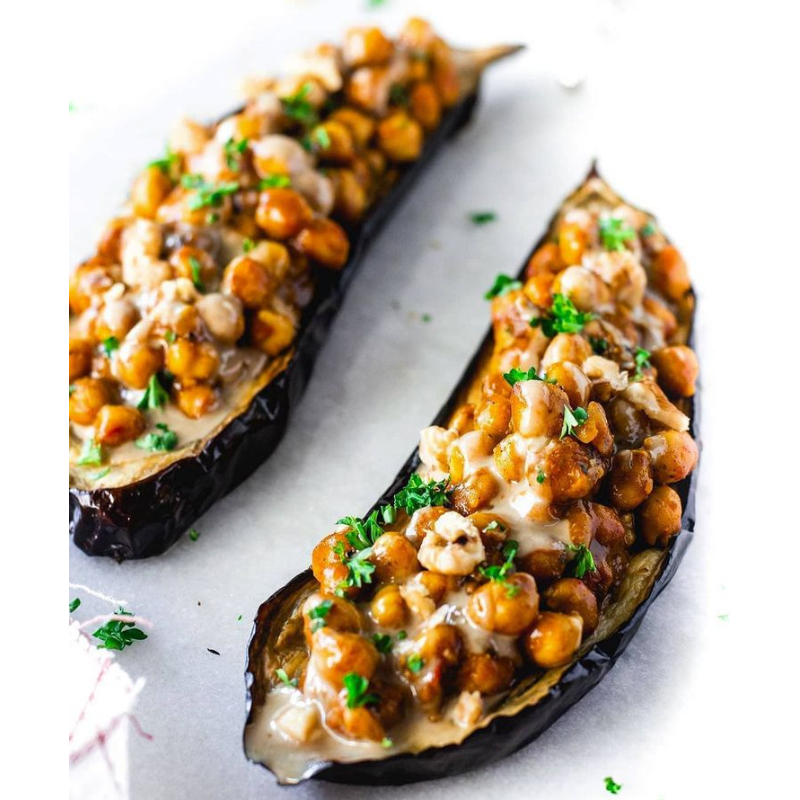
{"x": 341, "y": 615}
{"x": 336, "y": 653}
{"x": 325, "y": 242}
{"x": 554, "y": 639}
{"x": 116, "y": 318}
{"x": 149, "y": 191}
{"x": 539, "y": 290}
{"x": 108, "y": 246}
{"x": 338, "y": 147}
{"x": 86, "y": 397}
{"x": 545, "y": 261}
{"x": 368, "y": 88}
{"x": 87, "y": 280}
{"x": 249, "y": 281}
{"x": 674, "y": 455}
{"x": 573, "y": 596}
{"x": 509, "y": 459}
{"x": 537, "y": 408}
{"x": 566, "y": 347}
{"x": 394, "y": 557}
{"x": 422, "y": 521}
{"x": 196, "y": 401}
{"x": 282, "y": 213}
{"x": 660, "y": 516}
{"x": 425, "y": 106}
{"x": 657, "y": 309}
{"x": 222, "y": 316}
{"x": 80, "y": 357}
{"x": 571, "y": 378}
{"x": 417, "y": 36}
{"x": 475, "y": 492}
{"x": 507, "y": 607}
{"x": 677, "y": 370}
{"x": 443, "y": 642}
{"x": 400, "y": 137}
{"x": 350, "y": 198}
{"x": 493, "y": 415}
{"x": 194, "y": 264}
{"x": 463, "y": 420}
{"x": 361, "y": 126}
{"x": 485, "y": 673}
{"x": 115, "y": 425}
{"x": 572, "y": 240}
{"x": 135, "y": 363}
{"x": 585, "y": 288}
{"x": 544, "y": 564}
{"x": 271, "y": 332}
{"x": 669, "y": 273}
{"x": 360, "y": 723}
{"x": 631, "y": 479}
{"x": 572, "y": 470}
{"x": 366, "y": 47}
{"x": 327, "y": 566}
{"x": 191, "y": 361}
{"x": 595, "y": 430}
{"x": 388, "y": 608}
{"x": 188, "y": 137}
{"x": 436, "y": 584}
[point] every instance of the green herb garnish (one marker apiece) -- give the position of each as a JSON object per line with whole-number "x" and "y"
{"x": 163, "y": 440}
{"x": 612, "y": 786}
{"x": 109, "y": 345}
{"x": 642, "y": 361}
{"x": 572, "y": 419}
{"x": 388, "y": 514}
{"x": 398, "y": 96}
{"x": 503, "y": 284}
{"x": 117, "y": 635}
{"x": 321, "y": 137}
{"x": 207, "y": 194}
{"x": 648, "y": 229}
{"x": 383, "y": 642}
{"x": 563, "y": 317}
{"x": 500, "y": 573}
{"x": 248, "y": 245}
{"x": 599, "y": 345}
{"x": 401, "y": 635}
{"x": 284, "y": 678}
{"x": 275, "y": 182}
{"x": 298, "y": 108}
{"x": 494, "y": 525}
{"x": 614, "y": 233}
{"x": 364, "y": 532}
{"x": 356, "y": 686}
{"x": 415, "y": 663}
{"x": 318, "y": 614}
{"x": 418, "y": 494}
{"x": 73, "y": 604}
{"x": 101, "y": 474}
{"x": 540, "y": 477}
{"x": 170, "y": 336}
{"x": 197, "y": 274}
{"x": 583, "y": 560}
{"x": 517, "y": 375}
{"x": 482, "y": 217}
{"x": 387, "y": 742}
{"x": 91, "y": 454}
{"x": 194, "y": 534}
{"x": 233, "y": 153}
{"x": 155, "y": 395}
{"x": 166, "y": 163}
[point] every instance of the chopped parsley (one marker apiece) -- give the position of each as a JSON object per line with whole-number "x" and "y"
{"x": 614, "y": 233}
{"x": 418, "y": 494}
{"x": 298, "y": 108}
{"x": 275, "y": 182}
{"x": 563, "y": 317}
{"x": 284, "y": 678}
{"x": 364, "y": 532}
{"x": 318, "y": 614}
{"x": 91, "y": 454}
{"x": 582, "y": 561}
{"x": 155, "y": 395}
{"x": 599, "y": 344}
{"x": 109, "y": 345}
{"x": 494, "y": 525}
{"x": 117, "y": 635}
{"x": 359, "y": 568}
{"x": 207, "y": 194}
{"x": 197, "y": 274}
{"x": 248, "y": 245}
{"x": 194, "y": 534}
{"x": 388, "y": 514}
{"x": 383, "y": 642}
{"x": 170, "y": 336}
{"x": 166, "y": 163}
{"x": 233, "y": 153}
{"x": 649, "y": 229}
{"x": 318, "y": 138}
{"x": 356, "y": 686}
{"x": 572, "y": 419}
{"x": 415, "y": 663}
{"x": 71, "y": 389}
{"x": 398, "y": 96}
{"x": 162, "y": 440}
{"x": 73, "y": 604}
{"x": 426, "y": 317}
{"x": 642, "y": 361}
{"x": 101, "y": 474}
{"x": 499, "y": 573}
{"x": 387, "y": 742}
{"x": 482, "y": 217}
{"x": 540, "y": 477}
{"x": 612, "y": 786}
{"x": 401, "y": 635}
{"x": 503, "y": 284}
{"x": 516, "y": 375}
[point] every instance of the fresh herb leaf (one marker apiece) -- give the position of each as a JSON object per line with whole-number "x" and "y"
{"x": 155, "y": 395}
{"x": 233, "y": 153}
{"x": 162, "y": 441}
{"x": 482, "y": 217}
{"x": 299, "y": 109}
{"x": 109, "y": 345}
{"x": 418, "y": 494}
{"x": 612, "y": 786}
{"x": 383, "y": 642}
{"x": 494, "y": 525}
{"x": 356, "y": 686}
{"x": 361, "y": 537}
{"x": 197, "y": 274}
{"x": 388, "y": 514}
{"x": 426, "y": 317}
{"x": 363, "y": 533}
{"x": 398, "y": 96}
{"x": 583, "y": 560}
{"x": 275, "y": 182}
{"x": 207, "y": 194}
{"x": 248, "y": 245}
{"x": 415, "y": 663}
{"x": 516, "y": 375}
{"x": 73, "y": 604}
{"x": 284, "y": 678}
{"x": 116, "y": 634}
{"x": 563, "y": 317}
{"x": 170, "y": 336}
{"x": 649, "y": 229}
{"x": 401, "y": 635}
{"x": 387, "y": 742}
{"x": 642, "y": 361}
{"x": 166, "y": 163}
{"x": 318, "y": 614}
{"x": 499, "y": 573}
{"x": 572, "y": 419}
{"x": 321, "y": 137}
{"x": 503, "y": 284}
{"x": 239, "y": 618}
{"x": 91, "y": 454}
{"x": 71, "y": 389}
{"x": 194, "y": 534}
{"x": 540, "y": 477}
{"x": 614, "y": 233}
{"x": 101, "y": 474}
{"x": 599, "y": 344}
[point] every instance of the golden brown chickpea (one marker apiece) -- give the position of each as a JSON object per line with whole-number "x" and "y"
{"x": 350, "y": 198}
{"x": 545, "y": 261}
{"x": 554, "y": 639}
{"x": 495, "y": 383}
{"x": 271, "y": 332}
{"x": 442, "y": 642}
{"x": 325, "y": 242}
{"x": 336, "y": 653}
{"x": 485, "y": 673}
{"x": 539, "y": 290}
{"x": 509, "y": 459}
{"x": 658, "y": 309}
{"x": 388, "y": 608}
{"x": 249, "y": 280}
{"x": 282, "y": 213}
{"x": 362, "y": 723}
{"x": 417, "y": 36}
{"x": 566, "y": 347}
{"x": 115, "y": 425}
{"x": 368, "y": 88}
{"x": 327, "y": 566}
{"x": 338, "y": 147}
{"x": 596, "y": 431}
{"x": 361, "y": 126}
{"x": 545, "y": 564}
{"x": 669, "y": 273}
{"x": 493, "y": 415}
{"x": 425, "y": 106}
{"x": 191, "y": 361}
{"x": 116, "y": 318}
{"x": 149, "y": 191}
{"x": 366, "y": 47}
{"x": 677, "y": 370}
{"x": 87, "y": 280}
{"x": 400, "y": 137}
{"x": 631, "y": 479}
{"x": 573, "y": 596}
{"x": 572, "y": 241}
{"x": 571, "y": 378}
{"x": 80, "y": 357}
{"x": 196, "y": 265}
{"x": 196, "y": 401}
{"x": 572, "y": 470}
{"x": 394, "y": 557}
{"x": 108, "y": 247}
{"x": 660, "y": 516}
{"x": 674, "y": 455}
{"x": 438, "y": 585}
{"x": 342, "y": 615}
{"x": 474, "y": 493}
{"x": 86, "y": 397}
{"x": 537, "y": 408}
{"x": 608, "y": 528}
{"x": 222, "y": 316}
{"x": 135, "y": 363}
{"x": 464, "y": 419}
{"x": 507, "y": 607}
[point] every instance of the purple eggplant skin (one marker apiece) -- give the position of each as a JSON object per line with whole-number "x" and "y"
{"x": 147, "y": 517}
{"x": 504, "y": 735}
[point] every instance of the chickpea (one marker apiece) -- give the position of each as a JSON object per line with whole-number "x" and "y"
{"x": 362, "y": 723}
{"x": 191, "y": 361}
{"x": 327, "y": 565}
{"x": 669, "y": 273}
{"x": 493, "y": 415}
{"x": 368, "y": 88}
{"x": 350, "y": 199}
{"x": 400, "y": 137}
{"x": 222, "y": 316}
{"x": 417, "y": 35}
{"x": 658, "y": 309}
{"x": 271, "y": 332}
{"x": 545, "y": 261}
{"x": 361, "y": 126}
{"x": 485, "y": 673}
{"x": 325, "y": 242}
{"x": 572, "y": 470}
{"x": 545, "y": 564}
{"x": 436, "y": 584}
{"x": 108, "y": 246}
{"x": 342, "y": 615}
{"x": 336, "y": 653}
{"x": 366, "y": 47}
{"x": 388, "y": 608}
{"x": 596, "y": 431}
{"x": 539, "y": 290}
{"x": 572, "y": 240}
{"x": 116, "y": 318}
{"x": 573, "y": 596}
{"x": 554, "y": 638}
{"x": 566, "y": 347}
{"x": 463, "y": 421}
{"x": 86, "y": 397}
{"x": 442, "y": 642}
{"x": 274, "y": 256}
{"x": 425, "y": 106}
{"x": 571, "y": 378}
{"x": 585, "y": 288}
{"x": 674, "y": 455}
{"x": 467, "y": 449}
{"x": 249, "y": 281}
{"x": 339, "y": 146}
{"x": 80, "y": 357}
{"x": 195, "y": 264}
{"x": 282, "y": 213}
{"x": 149, "y": 191}
{"x": 188, "y": 137}
{"x": 537, "y": 408}
{"x": 422, "y": 521}
{"x": 660, "y": 516}
{"x": 507, "y": 607}
{"x": 115, "y": 425}
{"x": 474, "y": 493}
{"x": 135, "y": 363}
{"x": 509, "y": 458}
{"x": 677, "y": 369}
{"x": 391, "y": 699}
{"x": 395, "y": 558}
{"x": 196, "y": 401}
{"x": 85, "y": 282}
{"x": 631, "y": 479}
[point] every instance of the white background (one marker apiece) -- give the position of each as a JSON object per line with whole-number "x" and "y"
{"x": 692, "y": 110}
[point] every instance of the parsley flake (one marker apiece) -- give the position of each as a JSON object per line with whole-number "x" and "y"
{"x": 572, "y": 419}
{"x": 73, "y": 604}
{"x": 91, "y": 454}
{"x": 356, "y": 686}
{"x": 583, "y": 560}
{"x": 387, "y": 742}
{"x": 197, "y": 274}
{"x": 318, "y": 614}
{"x": 117, "y": 635}
{"x": 599, "y": 344}
{"x": 162, "y": 441}
{"x": 155, "y": 395}
{"x": 415, "y": 663}
{"x": 482, "y": 217}
{"x": 563, "y": 317}
{"x": 298, "y": 108}
{"x": 109, "y": 345}
{"x": 233, "y": 153}
{"x": 388, "y": 514}
{"x": 540, "y": 477}
{"x": 284, "y": 678}
{"x": 503, "y": 284}
{"x": 499, "y": 573}
{"x": 614, "y": 233}
{"x": 612, "y": 786}
{"x": 248, "y": 245}
{"x": 418, "y": 494}
{"x": 398, "y": 96}
{"x": 649, "y": 229}
{"x": 275, "y": 182}
{"x": 167, "y": 163}
{"x": 642, "y": 361}
{"x": 383, "y": 642}
{"x": 103, "y": 472}
{"x": 194, "y": 534}
{"x": 516, "y": 375}
{"x": 207, "y": 194}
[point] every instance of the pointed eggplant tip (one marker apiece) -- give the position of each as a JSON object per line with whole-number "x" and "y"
{"x": 484, "y": 56}
{"x": 594, "y": 171}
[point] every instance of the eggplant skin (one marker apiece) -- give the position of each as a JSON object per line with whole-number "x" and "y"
{"x": 503, "y": 735}
{"x": 146, "y": 518}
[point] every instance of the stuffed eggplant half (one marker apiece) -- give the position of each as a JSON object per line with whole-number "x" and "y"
{"x": 194, "y": 326}
{"x": 510, "y": 562}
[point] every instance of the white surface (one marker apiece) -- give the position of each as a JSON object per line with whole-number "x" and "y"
{"x": 690, "y": 112}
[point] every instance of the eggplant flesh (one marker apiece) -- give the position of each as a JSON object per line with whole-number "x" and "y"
{"x": 146, "y": 516}
{"x": 534, "y": 702}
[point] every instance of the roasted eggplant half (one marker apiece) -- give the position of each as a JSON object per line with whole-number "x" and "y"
{"x": 195, "y": 325}
{"x": 514, "y": 556}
